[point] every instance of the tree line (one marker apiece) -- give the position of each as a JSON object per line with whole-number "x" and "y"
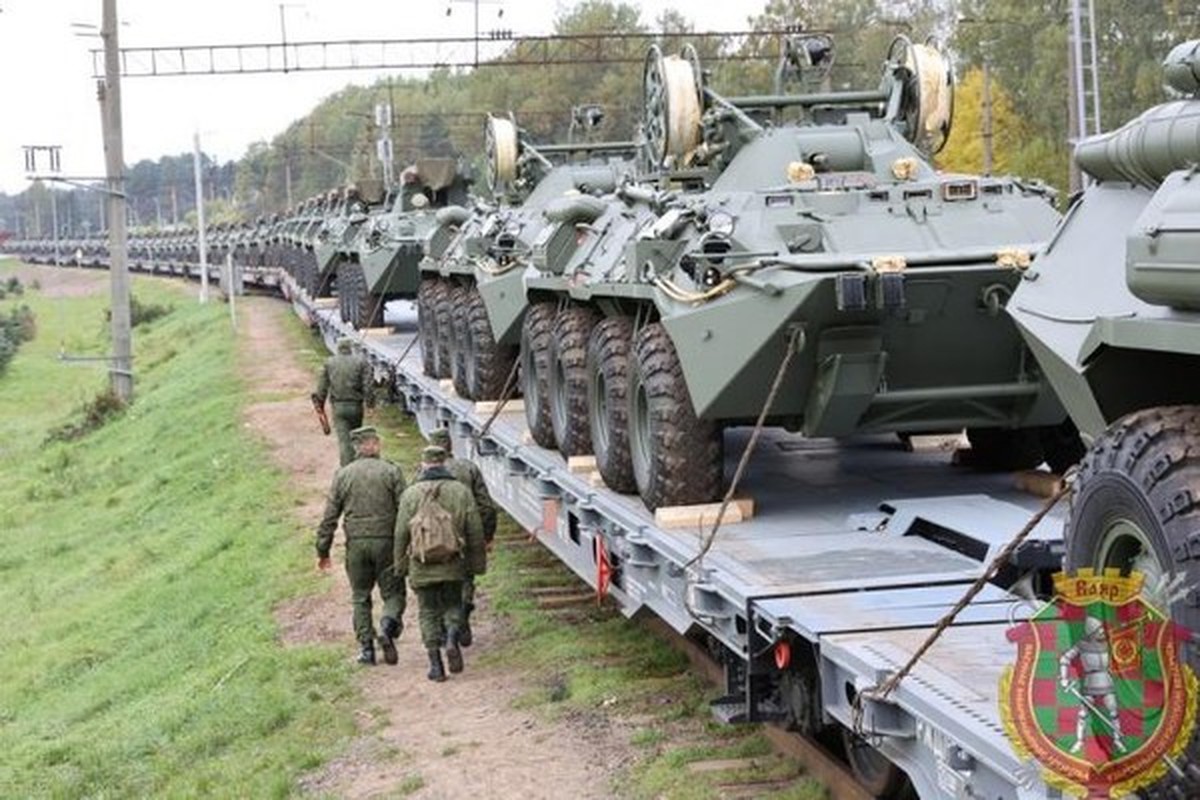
{"x": 1023, "y": 43}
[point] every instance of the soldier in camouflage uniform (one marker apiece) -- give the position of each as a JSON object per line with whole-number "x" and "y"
{"x": 365, "y": 495}
{"x": 466, "y": 473}
{"x": 439, "y": 586}
{"x": 346, "y": 379}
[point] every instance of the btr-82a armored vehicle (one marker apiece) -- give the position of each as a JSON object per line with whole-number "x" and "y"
{"x": 472, "y": 302}
{"x": 657, "y": 318}
{"x": 381, "y": 263}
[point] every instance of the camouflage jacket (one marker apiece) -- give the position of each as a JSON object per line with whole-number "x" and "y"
{"x": 468, "y": 474}
{"x": 367, "y": 491}
{"x": 456, "y": 499}
{"x": 346, "y": 378}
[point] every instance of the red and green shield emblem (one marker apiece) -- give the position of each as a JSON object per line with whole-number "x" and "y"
{"x": 1099, "y": 696}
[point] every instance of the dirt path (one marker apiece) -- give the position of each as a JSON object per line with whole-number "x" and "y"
{"x": 418, "y": 739}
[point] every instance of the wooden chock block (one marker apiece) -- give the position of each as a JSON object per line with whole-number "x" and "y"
{"x": 376, "y": 331}
{"x": 527, "y": 437}
{"x": 1038, "y": 483}
{"x": 704, "y": 514}
{"x": 933, "y": 443}
{"x": 489, "y": 406}
{"x": 596, "y": 480}
{"x": 325, "y": 302}
{"x": 581, "y": 465}
{"x": 446, "y": 385}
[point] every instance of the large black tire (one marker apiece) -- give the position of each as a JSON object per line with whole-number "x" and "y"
{"x": 1136, "y": 505}
{"x": 488, "y": 364}
{"x": 444, "y": 344}
{"x": 677, "y": 458}
{"x": 1003, "y": 449}
{"x": 428, "y": 296}
{"x": 608, "y": 353}
{"x": 536, "y": 333}
{"x": 457, "y": 298}
{"x": 359, "y": 307}
{"x": 569, "y": 380}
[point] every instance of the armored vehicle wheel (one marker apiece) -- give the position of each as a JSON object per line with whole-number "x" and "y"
{"x": 1136, "y": 506}
{"x": 607, "y": 368}
{"x": 428, "y": 295}
{"x": 458, "y": 342}
{"x": 536, "y": 333}
{"x": 1004, "y": 448}
{"x": 488, "y": 364}
{"x": 359, "y": 307}
{"x": 444, "y": 344}
{"x": 569, "y": 380}
{"x": 879, "y": 776}
{"x": 677, "y": 458}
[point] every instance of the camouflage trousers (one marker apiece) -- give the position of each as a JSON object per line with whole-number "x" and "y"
{"x": 441, "y": 609}
{"x": 346, "y": 417}
{"x": 369, "y": 563}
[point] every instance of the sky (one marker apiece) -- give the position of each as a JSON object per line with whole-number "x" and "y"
{"x": 47, "y": 94}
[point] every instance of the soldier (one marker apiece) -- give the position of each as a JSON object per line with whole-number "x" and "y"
{"x": 466, "y": 473}
{"x": 367, "y": 492}
{"x": 439, "y": 545}
{"x": 346, "y": 379}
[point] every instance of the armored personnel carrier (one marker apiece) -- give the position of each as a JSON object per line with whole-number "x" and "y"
{"x": 382, "y": 262}
{"x": 658, "y": 318}
{"x": 471, "y": 301}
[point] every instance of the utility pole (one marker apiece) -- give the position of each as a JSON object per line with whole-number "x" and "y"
{"x": 121, "y": 369}
{"x": 987, "y": 119}
{"x": 200, "y": 232}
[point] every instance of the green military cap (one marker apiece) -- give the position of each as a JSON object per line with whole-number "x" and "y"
{"x": 440, "y": 437}
{"x": 433, "y": 455}
{"x": 363, "y": 433}
{"x": 345, "y": 344}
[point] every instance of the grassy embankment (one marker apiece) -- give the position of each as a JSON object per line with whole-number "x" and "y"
{"x": 139, "y": 567}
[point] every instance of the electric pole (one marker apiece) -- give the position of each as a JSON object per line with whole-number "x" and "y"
{"x": 987, "y": 119}
{"x": 200, "y": 232}
{"x": 121, "y": 364}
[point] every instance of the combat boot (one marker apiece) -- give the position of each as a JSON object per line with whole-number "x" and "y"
{"x": 437, "y": 672}
{"x": 454, "y": 657}
{"x": 464, "y": 633}
{"x": 389, "y": 630}
{"x": 366, "y": 655}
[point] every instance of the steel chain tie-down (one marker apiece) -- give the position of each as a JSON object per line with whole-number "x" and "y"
{"x": 510, "y": 387}
{"x": 884, "y": 689}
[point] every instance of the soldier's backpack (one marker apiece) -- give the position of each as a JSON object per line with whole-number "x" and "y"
{"x": 435, "y": 539}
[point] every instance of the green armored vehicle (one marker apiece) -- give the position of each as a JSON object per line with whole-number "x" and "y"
{"x": 471, "y": 301}
{"x": 382, "y": 262}
{"x": 659, "y": 318}
{"x": 1112, "y": 312}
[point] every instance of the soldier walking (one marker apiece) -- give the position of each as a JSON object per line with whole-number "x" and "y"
{"x": 468, "y": 474}
{"x": 365, "y": 495}
{"x": 439, "y": 545}
{"x": 346, "y": 379}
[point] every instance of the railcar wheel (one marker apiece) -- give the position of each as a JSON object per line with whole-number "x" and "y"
{"x": 536, "y": 333}
{"x": 608, "y": 354}
{"x": 677, "y": 457}
{"x": 488, "y": 364}
{"x": 569, "y": 380}
{"x": 1136, "y": 506}
{"x": 429, "y": 294}
{"x": 879, "y": 776}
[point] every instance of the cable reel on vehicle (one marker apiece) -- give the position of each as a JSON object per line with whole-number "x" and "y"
{"x": 927, "y": 92}
{"x": 501, "y": 147}
{"x": 672, "y": 102}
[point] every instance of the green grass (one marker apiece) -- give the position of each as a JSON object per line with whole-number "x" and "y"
{"x": 138, "y": 571}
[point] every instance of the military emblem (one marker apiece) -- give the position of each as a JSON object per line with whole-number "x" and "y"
{"x": 1099, "y": 696}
